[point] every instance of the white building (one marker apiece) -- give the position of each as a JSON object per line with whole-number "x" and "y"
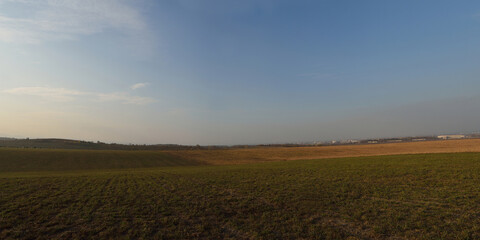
{"x": 419, "y": 139}
{"x": 445, "y": 137}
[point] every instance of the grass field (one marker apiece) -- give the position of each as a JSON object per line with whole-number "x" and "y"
{"x": 423, "y": 196}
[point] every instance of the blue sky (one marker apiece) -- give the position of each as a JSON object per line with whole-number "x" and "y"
{"x": 238, "y": 72}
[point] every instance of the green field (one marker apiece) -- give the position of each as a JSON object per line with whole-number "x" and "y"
{"x": 141, "y": 195}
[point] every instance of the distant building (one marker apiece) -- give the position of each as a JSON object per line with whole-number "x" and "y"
{"x": 445, "y": 137}
{"x": 419, "y": 139}
{"x": 373, "y": 141}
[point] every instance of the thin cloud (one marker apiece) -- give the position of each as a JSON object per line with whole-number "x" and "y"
{"x": 49, "y": 20}
{"x": 63, "y": 94}
{"x": 138, "y": 85}
{"x": 125, "y": 98}
{"x": 58, "y": 94}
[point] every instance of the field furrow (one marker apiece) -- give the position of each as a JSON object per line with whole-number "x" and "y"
{"x": 387, "y": 197}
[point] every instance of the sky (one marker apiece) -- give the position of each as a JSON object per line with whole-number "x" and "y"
{"x": 238, "y": 72}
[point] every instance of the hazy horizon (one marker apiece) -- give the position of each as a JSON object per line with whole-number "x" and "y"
{"x": 237, "y": 72}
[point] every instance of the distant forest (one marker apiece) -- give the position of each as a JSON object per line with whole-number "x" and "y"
{"x": 55, "y": 143}
{"x": 77, "y": 144}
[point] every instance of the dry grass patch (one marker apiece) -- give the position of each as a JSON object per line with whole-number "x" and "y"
{"x": 267, "y": 154}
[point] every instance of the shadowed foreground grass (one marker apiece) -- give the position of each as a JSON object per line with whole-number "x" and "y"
{"x": 21, "y": 160}
{"x": 428, "y": 196}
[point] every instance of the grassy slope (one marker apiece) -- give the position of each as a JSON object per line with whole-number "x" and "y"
{"x": 15, "y": 160}
{"x": 427, "y": 196}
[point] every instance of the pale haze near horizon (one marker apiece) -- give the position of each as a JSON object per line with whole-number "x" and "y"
{"x": 238, "y": 72}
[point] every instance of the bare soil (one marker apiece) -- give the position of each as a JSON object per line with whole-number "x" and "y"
{"x": 267, "y": 154}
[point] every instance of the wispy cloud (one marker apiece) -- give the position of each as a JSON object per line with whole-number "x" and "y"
{"x": 63, "y": 94}
{"x": 58, "y": 94}
{"x": 125, "y": 98}
{"x": 138, "y": 85}
{"x": 48, "y": 20}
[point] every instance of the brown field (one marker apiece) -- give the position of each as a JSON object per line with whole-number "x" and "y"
{"x": 267, "y": 154}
